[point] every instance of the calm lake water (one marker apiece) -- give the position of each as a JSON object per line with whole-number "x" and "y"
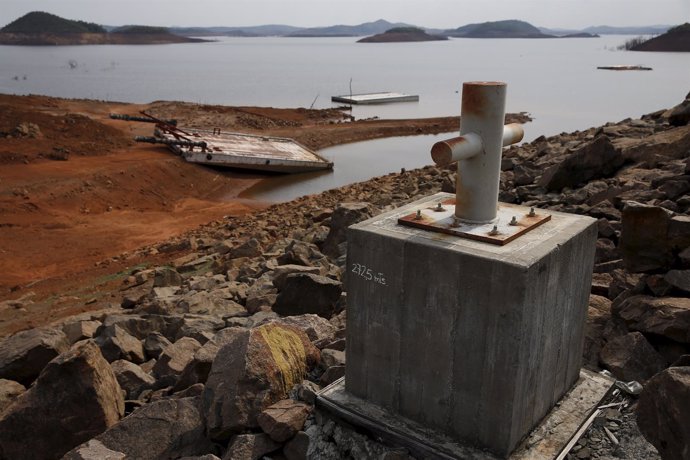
{"x": 555, "y": 80}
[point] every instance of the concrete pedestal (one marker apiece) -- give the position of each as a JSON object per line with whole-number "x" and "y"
{"x": 476, "y": 340}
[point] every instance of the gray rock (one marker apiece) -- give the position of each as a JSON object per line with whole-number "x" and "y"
{"x": 93, "y": 450}
{"x": 197, "y": 370}
{"x": 643, "y": 242}
{"x": 24, "y": 354}
{"x": 332, "y": 374}
{"x": 9, "y": 391}
{"x": 344, "y": 215}
{"x": 307, "y": 293}
{"x": 250, "y": 447}
{"x": 132, "y": 378}
{"x": 297, "y": 447}
{"x": 80, "y": 330}
{"x": 174, "y": 359}
{"x": 165, "y": 429}
{"x": 75, "y": 397}
{"x": 317, "y": 328}
{"x": 666, "y": 316}
{"x": 330, "y": 358}
{"x": 596, "y": 159}
{"x": 250, "y": 248}
{"x": 166, "y": 276}
{"x": 140, "y": 326}
{"x": 255, "y": 369}
{"x": 154, "y": 344}
{"x": 631, "y": 357}
{"x": 281, "y": 272}
{"x": 116, "y": 344}
{"x": 282, "y": 420}
{"x": 306, "y": 391}
{"x": 200, "y": 327}
{"x": 679, "y": 279}
{"x": 663, "y": 412}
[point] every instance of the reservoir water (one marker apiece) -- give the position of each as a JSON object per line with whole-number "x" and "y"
{"x": 555, "y": 80}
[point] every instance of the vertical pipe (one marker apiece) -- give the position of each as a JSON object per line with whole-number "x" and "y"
{"x": 483, "y": 113}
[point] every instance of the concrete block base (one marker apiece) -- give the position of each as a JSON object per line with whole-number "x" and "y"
{"x": 547, "y": 441}
{"x": 477, "y": 340}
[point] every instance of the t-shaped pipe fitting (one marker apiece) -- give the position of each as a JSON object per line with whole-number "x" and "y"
{"x": 478, "y": 150}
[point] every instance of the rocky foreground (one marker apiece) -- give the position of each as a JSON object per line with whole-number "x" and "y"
{"x": 219, "y": 354}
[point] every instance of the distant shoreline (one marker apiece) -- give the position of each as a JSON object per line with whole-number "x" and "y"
{"x": 72, "y": 39}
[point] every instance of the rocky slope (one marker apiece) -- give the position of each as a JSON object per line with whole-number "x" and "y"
{"x": 676, "y": 39}
{"x": 219, "y": 354}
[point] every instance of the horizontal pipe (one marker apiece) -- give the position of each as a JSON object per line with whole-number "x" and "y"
{"x": 468, "y": 145}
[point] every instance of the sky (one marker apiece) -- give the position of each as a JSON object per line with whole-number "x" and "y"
{"x": 443, "y": 14}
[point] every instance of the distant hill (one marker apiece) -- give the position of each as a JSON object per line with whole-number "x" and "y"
{"x": 39, "y": 28}
{"x": 367, "y": 28}
{"x": 39, "y": 22}
{"x": 402, "y": 34}
{"x": 676, "y": 39}
{"x": 269, "y": 30}
{"x": 642, "y": 30}
{"x": 498, "y": 29}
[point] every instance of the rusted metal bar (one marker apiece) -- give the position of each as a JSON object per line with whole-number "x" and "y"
{"x": 469, "y": 145}
{"x": 180, "y": 142}
{"x": 478, "y": 150}
{"x": 146, "y": 119}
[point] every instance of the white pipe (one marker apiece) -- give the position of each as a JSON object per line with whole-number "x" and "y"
{"x": 470, "y": 144}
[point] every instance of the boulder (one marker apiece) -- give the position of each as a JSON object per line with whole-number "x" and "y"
{"x": 332, "y": 374}
{"x": 281, "y": 272}
{"x": 197, "y": 370}
{"x": 132, "y": 378}
{"x": 116, "y": 344}
{"x": 9, "y": 391}
{"x": 166, "y": 276}
{"x": 209, "y": 303}
{"x": 330, "y": 358}
{"x": 596, "y": 159}
{"x": 24, "y": 354}
{"x": 140, "y": 326}
{"x": 93, "y": 450}
{"x": 75, "y": 397}
{"x": 169, "y": 428}
{"x": 80, "y": 330}
{"x": 680, "y": 114}
{"x": 664, "y": 316}
{"x": 631, "y": 357}
{"x": 282, "y": 420}
{"x": 300, "y": 253}
{"x": 249, "y": 248}
{"x": 317, "y": 328}
{"x": 679, "y": 279}
{"x": 344, "y": 215}
{"x": 298, "y": 447}
{"x": 307, "y": 293}
{"x": 663, "y": 412}
{"x": 643, "y": 243}
{"x": 250, "y": 447}
{"x": 174, "y": 359}
{"x": 154, "y": 344}
{"x": 200, "y": 327}
{"x": 255, "y": 369}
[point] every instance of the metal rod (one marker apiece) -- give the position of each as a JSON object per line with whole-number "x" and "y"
{"x": 470, "y": 144}
{"x": 482, "y": 113}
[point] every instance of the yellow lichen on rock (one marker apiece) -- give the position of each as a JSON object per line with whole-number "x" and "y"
{"x": 288, "y": 353}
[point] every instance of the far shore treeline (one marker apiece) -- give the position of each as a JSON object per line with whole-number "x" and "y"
{"x": 41, "y": 28}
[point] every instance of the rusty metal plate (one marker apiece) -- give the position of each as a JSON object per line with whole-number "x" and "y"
{"x": 511, "y": 221}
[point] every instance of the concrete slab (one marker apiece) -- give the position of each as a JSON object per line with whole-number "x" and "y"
{"x": 546, "y": 442}
{"x": 375, "y": 98}
{"x": 473, "y": 339}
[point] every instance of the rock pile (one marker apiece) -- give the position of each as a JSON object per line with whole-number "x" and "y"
{"x": 220, "y": 353}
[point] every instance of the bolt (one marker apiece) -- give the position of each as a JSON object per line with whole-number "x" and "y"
{"x": 456, "y": 222}
{"x": 439, "y": 207}
{"x": 531, "y": 212}
{"x": 494, "y": 231}
{"x": 419, "y": 215}
{"x": 513, "y": 221}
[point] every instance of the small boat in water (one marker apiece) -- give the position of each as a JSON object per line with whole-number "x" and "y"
{"x": 624, "y": 67}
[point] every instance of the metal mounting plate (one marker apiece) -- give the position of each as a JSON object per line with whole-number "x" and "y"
{"x": 442, "y": 220}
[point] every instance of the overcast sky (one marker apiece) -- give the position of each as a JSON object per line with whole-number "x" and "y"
{"x": 310, "y": 13}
